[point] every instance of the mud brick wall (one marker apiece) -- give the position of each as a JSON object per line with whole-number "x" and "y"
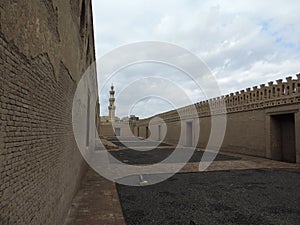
{"x": 40, "y": 164}
{"x": 250, "y": 115}
{"x": 40, "y": 65}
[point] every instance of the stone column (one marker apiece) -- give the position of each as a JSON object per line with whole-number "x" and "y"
{"x": 270, "y": 90}
{"x": 289, "y": 86}
{"x": 279, "y": 88}
{"x": 256, "y": 94}
{"x": 249, "y": 95}
{"x": 262, "y": 91}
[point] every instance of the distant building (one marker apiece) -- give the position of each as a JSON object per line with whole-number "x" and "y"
{"x": 111, "y": 108}
{"x": 112, "y": 125}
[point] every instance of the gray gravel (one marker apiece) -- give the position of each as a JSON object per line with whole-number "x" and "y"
{"x": 156, "y": 155}
{"x": 259, "y": 197}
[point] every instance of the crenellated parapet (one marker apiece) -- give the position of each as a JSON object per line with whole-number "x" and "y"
{"x": 271, "y": 95}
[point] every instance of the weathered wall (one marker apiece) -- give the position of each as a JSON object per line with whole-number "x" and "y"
{"x": 44, "y": 48}
{"x": 106, "y": 130}
{"x": 249, "y": 128}
{"x": 245, "y": 133}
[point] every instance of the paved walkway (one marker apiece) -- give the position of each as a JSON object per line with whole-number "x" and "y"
{"x": 97, "y": 201}
{"x": 245, "y": 163}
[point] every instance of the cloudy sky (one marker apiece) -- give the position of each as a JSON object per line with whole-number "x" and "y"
{"x": 243, "y": 43}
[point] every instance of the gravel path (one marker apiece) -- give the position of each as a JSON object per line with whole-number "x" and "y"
{"x": 261, "y": 197}
{"x": 134, "y": 157}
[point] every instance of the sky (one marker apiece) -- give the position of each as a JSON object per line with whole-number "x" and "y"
{"x": 242, "y": 43}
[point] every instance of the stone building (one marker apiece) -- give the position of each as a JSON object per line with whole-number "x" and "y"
{"x": 111, "y": 108}
{"x": 261, "y": 121}
{"x": 45, "y": 47}
{"x": 112, "y": 125}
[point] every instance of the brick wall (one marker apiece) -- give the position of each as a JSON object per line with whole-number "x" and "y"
{"x": 40, "y": 164}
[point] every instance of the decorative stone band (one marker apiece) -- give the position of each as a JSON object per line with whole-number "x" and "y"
{"x": 281, "y": 93}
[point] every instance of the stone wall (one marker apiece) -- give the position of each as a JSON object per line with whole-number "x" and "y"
{"x": 249, "y": 127}
{"x": 45, "y": 46}
{"x": 106, "y": 130}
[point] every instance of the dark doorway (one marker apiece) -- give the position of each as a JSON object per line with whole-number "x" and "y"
{"x": 117, "y": 131}
{"x": 138, "y": 131}
{"x": 147, "y": 132}
{"x": 283, "y": 147}
{"x": 189, "y": 134}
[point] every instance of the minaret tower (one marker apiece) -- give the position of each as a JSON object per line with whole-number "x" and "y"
{"x": 112, "y": 106}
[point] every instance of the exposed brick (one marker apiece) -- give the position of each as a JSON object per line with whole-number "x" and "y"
{"x": 40, "y": 164}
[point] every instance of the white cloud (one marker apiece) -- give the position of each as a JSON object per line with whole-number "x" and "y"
{"x": 244, "y": 43}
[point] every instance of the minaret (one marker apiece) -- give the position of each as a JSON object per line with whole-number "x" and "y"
{"x": 112, "y": 106}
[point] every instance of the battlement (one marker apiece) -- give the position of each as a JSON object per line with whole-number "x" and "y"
{"x": 256, "y": 118}
{"x": 270, "y": 95}
{"x": 264, "y": 96}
